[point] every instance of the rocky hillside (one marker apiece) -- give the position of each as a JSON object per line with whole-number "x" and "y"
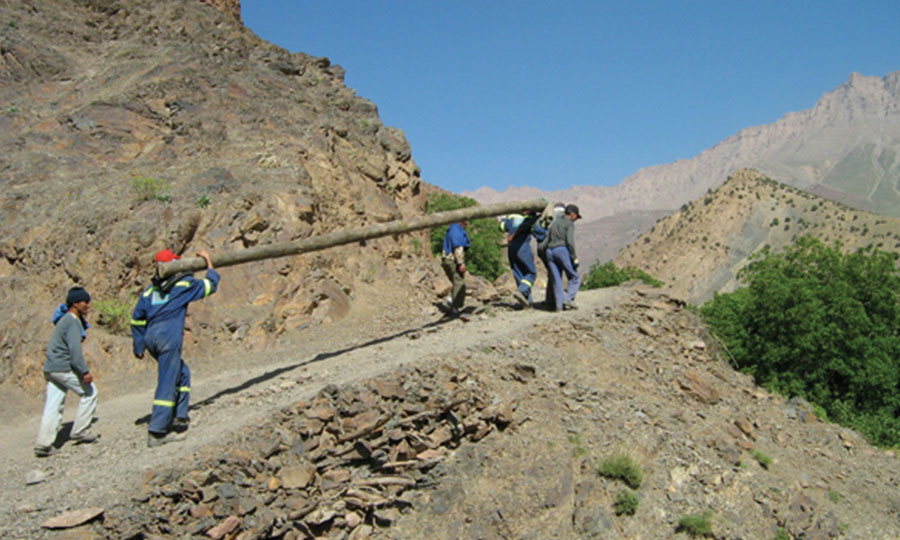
{"x": 129, "y": 126}
{"x": 845, "y": 148}
{"x": 494, "y": 428}
{"x": 699, "y": 249}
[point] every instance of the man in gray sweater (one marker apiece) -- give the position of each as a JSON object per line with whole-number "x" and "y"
{"x": 65, "y": 369}
{"x": 561, "y": 258}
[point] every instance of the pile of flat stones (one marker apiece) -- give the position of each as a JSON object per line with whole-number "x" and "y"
{"x": 337, "y": 466}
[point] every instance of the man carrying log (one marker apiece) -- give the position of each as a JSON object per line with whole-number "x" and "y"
{"x": 453, "y": 261}
{"x": 157, "y": 326}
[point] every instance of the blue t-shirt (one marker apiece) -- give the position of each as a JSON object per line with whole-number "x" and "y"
{"x": 456, "y": 236}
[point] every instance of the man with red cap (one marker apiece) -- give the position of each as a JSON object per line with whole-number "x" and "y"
{"x": 157, "y": 326}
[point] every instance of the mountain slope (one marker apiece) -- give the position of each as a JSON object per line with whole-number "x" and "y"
{"x": 845, "y": 148}
{"x": 235, "y": 141}
{"x": 277, "y": 447}
{"x": 699, "y": 249}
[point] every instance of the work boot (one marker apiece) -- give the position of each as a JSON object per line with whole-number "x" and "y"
{"x": 520, "y": 298}
{"x": 445, "y": 306}
{"x": 45, "y": 451}
{"x": 180, "y": 425}
{"x": 154, "y": 439}
{"x": 85, "y": 437}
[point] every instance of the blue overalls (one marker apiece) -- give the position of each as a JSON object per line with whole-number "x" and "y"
{"x": 540, "y": 233}
{"x": 157, "y": 325}
{"x": 521, "y": 259}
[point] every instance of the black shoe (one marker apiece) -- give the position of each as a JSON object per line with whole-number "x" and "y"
{"x": 45, "y": 451}
{"x": 85, "y": 438}
{"x": 154, "y": 439}
{"x": 180, "y": 425}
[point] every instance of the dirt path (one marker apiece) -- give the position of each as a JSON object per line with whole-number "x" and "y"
{"x": 226, "y": 400}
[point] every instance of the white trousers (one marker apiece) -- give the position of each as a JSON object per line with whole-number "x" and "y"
{"x": 57, "y": 385}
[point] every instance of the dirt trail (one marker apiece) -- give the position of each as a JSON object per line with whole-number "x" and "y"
{"x": 227, "y": 399}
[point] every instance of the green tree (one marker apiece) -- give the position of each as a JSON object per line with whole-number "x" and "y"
{"x": 485, "y": 254}
{"x": 609, "y": 275}
{"x": 823, "y": 325}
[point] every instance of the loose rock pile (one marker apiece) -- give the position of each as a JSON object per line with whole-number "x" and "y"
{"x": 337, "y": 466}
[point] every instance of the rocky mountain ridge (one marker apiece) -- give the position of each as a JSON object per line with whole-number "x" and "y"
{"x": 699, "y": 249}
{"x": 845, "y": 148}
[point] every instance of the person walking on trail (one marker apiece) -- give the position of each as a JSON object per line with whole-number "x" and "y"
{"x": 157, "y": 326}
{"x": 66, "y": 369}
{"x": 521, "y": 258}
{"x": 562, "y": 258}
{"x": 453, "y": 261}
{"x": 540, "y": 232}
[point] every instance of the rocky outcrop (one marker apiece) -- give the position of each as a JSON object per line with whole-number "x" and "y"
{"x": 232, "y": 8}
{"x": 129, "y": 127}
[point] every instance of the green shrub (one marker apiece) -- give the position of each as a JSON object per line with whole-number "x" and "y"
{"x": 621, "y": 467}
{"x": 763, "y": 459}
{"x": 696, "y": 524}
{"x": 626, "y": 502}
{"x": 485, "y": 254}
{"x": 114, "y": 315}
{"x": 579, "y": 449}
{"x": 609, "y": 275}
{"x": 823, "y": 325}
{"x": 146, "y": 188}
{"x": 781, "y": 534}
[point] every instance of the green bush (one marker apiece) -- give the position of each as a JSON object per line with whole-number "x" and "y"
{"x": 622, "y": 467}
{"x": 147, "y": 188}
{"x": 626, "y": 502}
{"x": 609, "y": 275}
{"x": 763, "y": 460}
{"x": 114, "y": 315}
{"x": 696, "y": 524}
{"x": 781, "y": 534}
{"x": 485, "y": 254}
{"x": 823, "y": 325}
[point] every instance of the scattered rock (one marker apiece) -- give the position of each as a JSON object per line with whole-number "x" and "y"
{"x": 74, "y": 518}
{"x": 35, "y": 476}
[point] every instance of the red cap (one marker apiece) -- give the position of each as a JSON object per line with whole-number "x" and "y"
{"x": 165, "y": 256}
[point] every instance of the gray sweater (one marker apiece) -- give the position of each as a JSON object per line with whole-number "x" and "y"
{"x": 64, "y": 350}
{"x": 562, "y": 233}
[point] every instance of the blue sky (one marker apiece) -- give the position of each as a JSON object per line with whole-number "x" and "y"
{"x": 555, "y": 94}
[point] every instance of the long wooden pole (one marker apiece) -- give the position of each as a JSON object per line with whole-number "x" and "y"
{"x": 348, "y": 236}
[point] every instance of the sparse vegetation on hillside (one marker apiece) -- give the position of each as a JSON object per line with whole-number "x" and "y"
{"x": 114, "y": 315}
{"x": 622, "y": 467}
{"x": 147, "y": 188}
{"x": 485, "y": 256}
{"x": 696, "y": 525}
{"x": 821, "y": 324}
{"x": 609, "y": 275}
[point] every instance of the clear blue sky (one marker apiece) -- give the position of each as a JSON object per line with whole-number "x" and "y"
{"x": 553, "y": 94}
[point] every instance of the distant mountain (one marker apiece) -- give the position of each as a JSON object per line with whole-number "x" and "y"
{"x": 846, "y": 148}
{"x": 699, "y": 249}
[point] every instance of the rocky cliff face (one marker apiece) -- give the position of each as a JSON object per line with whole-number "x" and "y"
{"x": 132, "y": 126}
{"x": 231, "y": 8}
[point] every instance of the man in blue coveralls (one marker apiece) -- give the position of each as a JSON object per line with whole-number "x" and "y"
{"x": 521, "y": 259}
{"x": 157, "y": 326}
